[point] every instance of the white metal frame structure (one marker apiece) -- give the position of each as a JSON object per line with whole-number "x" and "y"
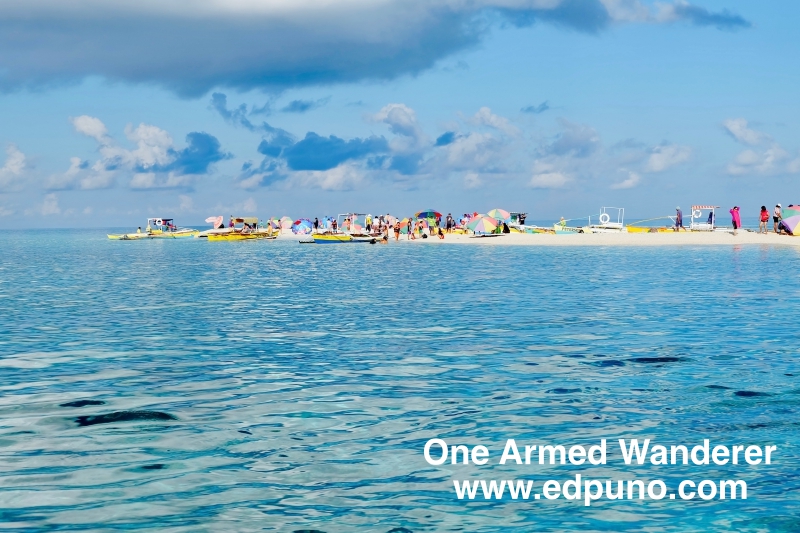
{"x": 698, "y": 214}
{"x": 607, "y": 222}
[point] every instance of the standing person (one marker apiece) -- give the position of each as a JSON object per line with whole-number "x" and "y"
{"x": 368, "y": 223}
{"x": 408, "y": 227}
{"x": 334, "y": 225}
{"x": 678, "y": 219}
{"x": 396, "y": 231}
{"x": 448, "y": 223}
{"x": 777, "y": 216}
{"x": 762, "y": 225}
{"x": 316, "y": 224}
{"x": 736, "y": 219}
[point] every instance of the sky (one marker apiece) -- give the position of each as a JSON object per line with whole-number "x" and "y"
{"x": 113, "y": 112}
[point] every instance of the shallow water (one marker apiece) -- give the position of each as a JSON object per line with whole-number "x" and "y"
{"x": 281, "y": 387}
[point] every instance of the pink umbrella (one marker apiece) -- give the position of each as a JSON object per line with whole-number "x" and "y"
{"x": 215, "y": 221}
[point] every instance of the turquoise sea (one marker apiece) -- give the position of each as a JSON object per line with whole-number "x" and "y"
{"x": 190, "y": 386}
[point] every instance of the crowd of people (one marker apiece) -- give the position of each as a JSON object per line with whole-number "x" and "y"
{"x": 413, "y": 228}
{"x": 778, "y": 225}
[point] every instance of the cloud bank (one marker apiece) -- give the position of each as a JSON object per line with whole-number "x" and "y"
{"x": 193, "y": 46}
{"x": 155, "y": 162}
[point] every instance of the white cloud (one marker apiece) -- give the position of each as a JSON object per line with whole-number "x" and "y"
{"x": 739, "y": 130}
{"x": 547, "y": 175}
{"x": 345, "y": 177}
{"x": 402, "y": 120}
{"x": 80, "y": 176}
{"x": 5, "y": 212}
{"x": 91, "y": 127}
{"x": 186, "y": 203}
{"x": 631, "y": 181}
{"x": 153, "y": 163}
{"x": 472, "y": 180}
{"x": 667, "y": 155}
{"x": 249, "y": 206}
{"x": 765, "y": 162}
{"x": 485, "y": 117}
{"x": 152, "y": 146}
{"x": 628, "y": 11}
{"x": 50, "y": 205}
{"x": 11, "y": 172}
{"x": 472, "y": 152}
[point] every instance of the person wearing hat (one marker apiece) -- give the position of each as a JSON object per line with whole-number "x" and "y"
{"x": 777, "y": 216}
{"x": 678, "y": 219}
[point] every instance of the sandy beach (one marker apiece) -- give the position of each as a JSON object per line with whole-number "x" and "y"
{"x": 605, "y": 239}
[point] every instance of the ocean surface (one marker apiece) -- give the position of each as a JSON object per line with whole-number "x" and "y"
{"x": 190, "y": 386}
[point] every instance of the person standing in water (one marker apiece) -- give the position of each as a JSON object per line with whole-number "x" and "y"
{"x": 736, "y": 219}
{"x": 396, "y": 231}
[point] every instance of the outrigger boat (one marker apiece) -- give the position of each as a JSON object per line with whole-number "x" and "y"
{"x": 248, "y": 231}
{"x": 157, "y": 228}
{"x": 348, "y": 231}
{"x": 605, "y": 225}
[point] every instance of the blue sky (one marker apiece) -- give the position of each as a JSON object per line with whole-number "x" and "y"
{"x": 111, "y": 114}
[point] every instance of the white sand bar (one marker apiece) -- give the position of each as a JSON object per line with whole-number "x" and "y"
{"x": 617, "y": 239}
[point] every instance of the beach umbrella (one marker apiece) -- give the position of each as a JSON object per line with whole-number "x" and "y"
{"x": 302, "y": 226}
{"x": 500, "y": 214}
{"x": 482, "y": 224}
{"x": 215, "y": 221}
{"x": 791, "y": 218}
{"x": 428, "y": 213}
{"x": 404, "y": 226}
{"x": 286, "y": 222}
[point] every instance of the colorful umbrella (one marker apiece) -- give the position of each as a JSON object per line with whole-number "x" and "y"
{"x": 428, "y": 213}
{"x": 302, "y": 226}
{"x": 286, "y": 222}
{"x": 482, "y": 224}
{"x": 215, "y": 221}
{"x": 791, "y": 218}
{"x": 500, "y": 214}
{"x": 404, "y": 226}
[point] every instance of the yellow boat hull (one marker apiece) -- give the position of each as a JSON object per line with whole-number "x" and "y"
{"x": 175, "y": 234}
{"x": 637, "y": 229}
{"x": 241, "y": 237}
{"x": 332, "y": 239}
{"x": 152, "y": 235}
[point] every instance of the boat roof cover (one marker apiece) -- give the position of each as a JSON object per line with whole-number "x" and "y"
{"x": 246, "y": 220}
